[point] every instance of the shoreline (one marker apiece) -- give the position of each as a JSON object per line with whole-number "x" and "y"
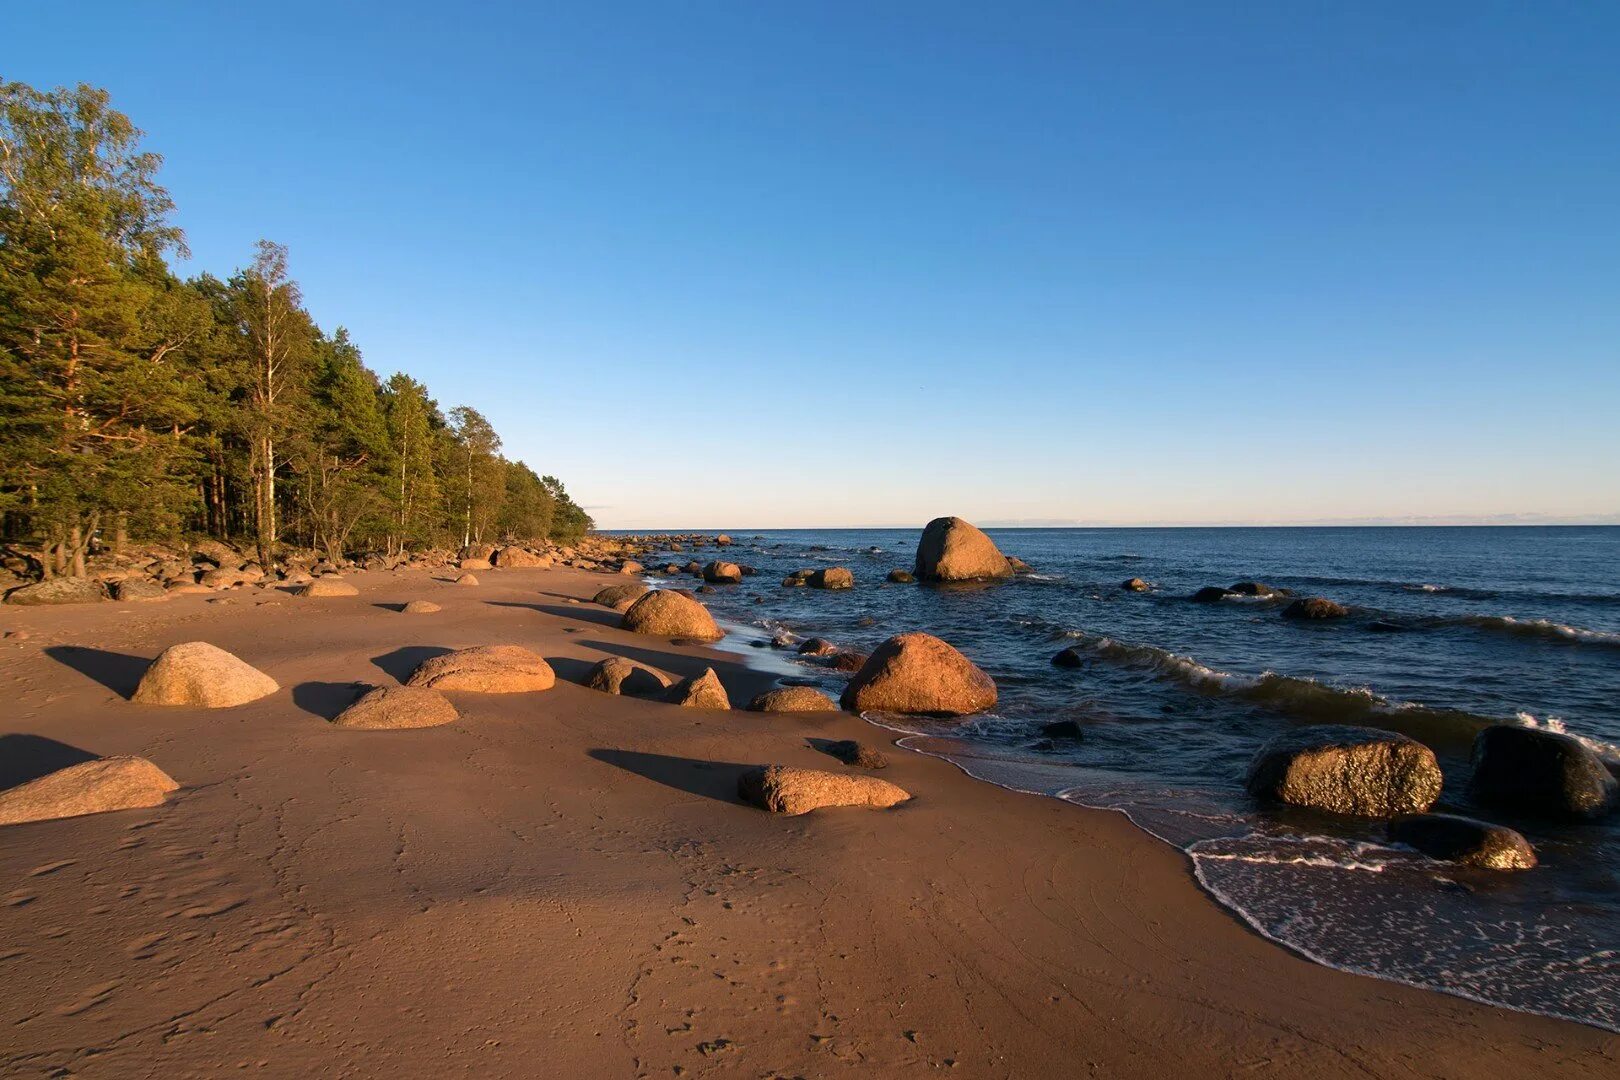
{"x": 566, "y": 877}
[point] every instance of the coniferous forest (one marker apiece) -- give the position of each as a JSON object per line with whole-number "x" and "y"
{"x": 137, "y": 405}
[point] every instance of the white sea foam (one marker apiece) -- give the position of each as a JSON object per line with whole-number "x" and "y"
{"x": 1607, "y": 751}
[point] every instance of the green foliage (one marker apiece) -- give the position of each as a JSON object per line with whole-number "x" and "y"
{"x": 206, "y": 406}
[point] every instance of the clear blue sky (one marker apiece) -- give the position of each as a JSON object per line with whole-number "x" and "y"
{"x": 756, "y": 264}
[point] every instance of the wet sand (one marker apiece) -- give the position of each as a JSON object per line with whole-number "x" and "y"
{"x": 563, "y": 884}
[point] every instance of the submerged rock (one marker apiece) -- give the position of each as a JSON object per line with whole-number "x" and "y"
{"x": 397, "y": 708}
{"x": 1314, "y": 607}
{"x": 1255, "y": 588}
{"x": 1072, "y": 657}
{"x": 197, "y": 673}
{"x": 1465, "y": 841}
{"x": 1211, "y": 594}
{"x": 902, "y": 577}
{"x": 616, "y": 675}
{"x": 667, "y": 613}
{"x": 1543, "y": 773}
{"x": 1063, "y": 729}
{"x": 919, "y": 673}
{"x": 1362, "y": 771}
{"x": 90, "y": 787}
{"x": 954, "y": 550}
{"x": 700, "y": 692}
{"x": 793, "y": 699}
{"x": 782, "y": 789}
{"x": 797, "y": 580}
{"x": 486, "y": 669}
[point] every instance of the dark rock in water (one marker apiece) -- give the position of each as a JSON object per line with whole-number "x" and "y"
{"x": 902, "y": 577}
{"x": 847, "y": 660}
{"x": 1134, "y": 584}
{"x": 1314, "y": 607}
{"x": 798, "y": 579}
{"x": 722, "y": 573}
{"x": 1063, "y": 729}
{"x": 866, "y": 620}
{"x": 853, "y": 753}
{"x": 706, "y": 589}
{"x": 817, "y": 646}
{"x": 1019, "y": 566}
{"x": 833, "y": 577}
{"x": 1465, "y": 841}
{"x": 1347, "y": 770}
{"x": 1383, "y": 626}
{"x": 1210, "y": 594}
{"x": 1544, "y": 773}
{"x": 1254, "y": 588}
{"x": 749, "y": 571}
{"x": 1071, "y": 657}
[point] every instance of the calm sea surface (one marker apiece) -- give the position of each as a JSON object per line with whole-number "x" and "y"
{"x": 1451, "y": 629}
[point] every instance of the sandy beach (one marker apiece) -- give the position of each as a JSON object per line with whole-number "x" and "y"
{"x": 565, "y": 884}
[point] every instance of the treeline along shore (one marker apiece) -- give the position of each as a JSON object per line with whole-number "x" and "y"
{"x": 139, "y": 406}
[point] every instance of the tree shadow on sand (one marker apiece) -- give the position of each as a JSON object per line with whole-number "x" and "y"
{"x": 29, "y": 757}
{"x": 711, "y": 779}
{"x": 402, "y": 662}
{"x": 118, "y": 672}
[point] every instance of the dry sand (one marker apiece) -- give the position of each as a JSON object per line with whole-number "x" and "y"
{"x": 563, "y": 884}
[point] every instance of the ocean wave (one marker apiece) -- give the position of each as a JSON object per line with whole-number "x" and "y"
{"x": 1545, "y": 629}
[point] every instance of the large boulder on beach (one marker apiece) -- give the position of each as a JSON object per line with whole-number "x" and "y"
{"x": 90, "y": 787}
{"x": 616, "y": 675}
{"x": 700, "y": 692}
{"x": 138, "y": 591}
{"x": 919, "y": 673}
{"x": 1542, "y": 773}
{"x": 954, "y": 550}
{"x": 397, "y": 708}
{"x": 420, "y": 607}
{"x": 1465, "y": 841}
{"x": 508, "y": 558}
{"x": 486, "y": 669}
{"x": 832, "y": 577}
{"x": 793, "y": 699}
{"x": 1314, "y": 607}
{"x": 1362, "y": 771}
{"x": 722, "y": 573}
{"x": 59, "y": 590}
{"x": 197, "y": 673}
{"x": 327, "y": 586}
{"x": 620, "y": 597}
{"x": 667, "y": 613}
{"x": 782, "y": 789}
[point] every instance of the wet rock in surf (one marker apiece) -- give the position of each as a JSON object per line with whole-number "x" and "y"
{"x": 700, "y": 692}
{"x": 817, "y": 646}
{"x": 197, "y": 673}
{"x": 397, "y": 708}
{"x": 620, "y": 597}
{"x": 1465, "y": 841}
{"x": 902, "y": 577}
{"x": 847, "y": 660}
{"x": 954, "y": 550}
{"x": 1071, "y": 657}
{"x": 833, "y": 577}
{"x": 1361, "y": 771}
{"x": 616, "y": 675}
{"x": 1211, "y": 594}
{"x": 918, "y": 673}
{"x": 793, "y": 699}
{"x": 1019, "y": 566}
{"x": 90, "y": 787}
{"x": 667, "y": 613}
{"x": 782, "y": 789}
{"x": 797, "y": 580}
{"x": 722, "y": 573}
{"x": 1314, "y": 607}
{"x": 1254, "y": 588}
{"x": 1134, "y": 584}
{"x": 486, "y": 669}
{"x": 1543, "y": 773}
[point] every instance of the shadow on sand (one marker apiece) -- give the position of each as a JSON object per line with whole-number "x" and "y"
{"x": 327, "y": 699}
{"x": 402, "y": 662}
{"x": 712, "y": 779}
{"x": 582, "y": 612}
{"x": 29, "y": 757}
{"x": 118, "y": 672}
{"x": 742, "y": 682}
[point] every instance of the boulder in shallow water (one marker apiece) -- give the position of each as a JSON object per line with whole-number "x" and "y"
{"x": 1465, "y": 841}
{"x": 793, "y": 699}
{"x": 1543, "y": 773}
{"x": 797, "y": 580}
{"x": 817, "y": 646}
{"x": 197, "y": 673}
{"x": 1134, "y": 584}
{"x": 667, "y": 613}
{"x": 1362, "y": 771}
{"x": 620, "y": 597}
{"x": 847, "y": 660}
{"x": 954, "y": 550}
{"x": 1211, "y": 594}
{"x": 722, "y": 573}
{"x": 420, "y": 607}
{"x": 918, "y": 673}
{"x": 397, "y": 708}
{"x": 1072, "y": 657}
{"x": 59, "y": 590}
{"x": 833, "y": 577}
{"x": 902, "y": 577}
{"x": 616, "y": 675}
{"x": 327, "y": 586}
{"x": 782, "y": 789}
{"x": 1254, "y": 588}
{"x": 90, "y": 787}
{"x": 700, "y": 692}
{"x": 486, "y": 669}
{"x": 1314, "y": 607}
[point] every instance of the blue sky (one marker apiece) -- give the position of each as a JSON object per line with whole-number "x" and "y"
{"x": 755, "y": 264}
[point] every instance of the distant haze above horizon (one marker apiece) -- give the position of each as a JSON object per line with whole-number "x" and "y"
{"x": 845, "y": 265}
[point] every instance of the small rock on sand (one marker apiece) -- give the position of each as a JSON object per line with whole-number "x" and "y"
{"x": 486, "y": 669}
{"x": 420, "y": 607}
{"x": 90, "y": 787}
{"x": 853, "y": 753}
{"x": 793, "y": 699}
{"x": 782, "y": 789}
{"x": 667, "y": 613}
{"x": 397, "y": 707}
{"x": 467, "y": 579}
{"x": 700, "y": 692}
{"x": 327, "y": 586}
{"x": 197, "y": 673}
{"x": 918, "y": 673}
{"x": 616, "y": 675}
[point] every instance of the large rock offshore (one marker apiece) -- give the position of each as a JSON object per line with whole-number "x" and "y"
{"x": 1544, "y": 773}
{"x": 666, "y": 613}
{"x": 954, "y": 550}
{"x": 1366, "y": 772}
{"x": 919, "y": 673}
{"x": 197, "y": 673}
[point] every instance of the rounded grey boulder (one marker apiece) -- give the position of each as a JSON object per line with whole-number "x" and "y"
{"x": 1362, "y": 771}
